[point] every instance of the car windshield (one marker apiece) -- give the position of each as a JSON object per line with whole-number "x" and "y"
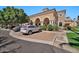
{"x": 31, "y": 26}
{"x": 24, "y": 26}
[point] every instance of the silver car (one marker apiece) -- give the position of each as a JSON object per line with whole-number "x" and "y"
{"x": 29, "y": 29}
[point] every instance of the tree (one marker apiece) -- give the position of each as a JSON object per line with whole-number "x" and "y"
{"x": 13, "y": 16}
{"x": 1, "y": 18}
{"x": 30, "y": 22}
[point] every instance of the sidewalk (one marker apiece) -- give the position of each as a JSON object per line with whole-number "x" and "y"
{"x": 64, "y": 44}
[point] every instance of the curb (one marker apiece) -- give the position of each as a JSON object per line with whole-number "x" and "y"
{"x": 5, "y": 29}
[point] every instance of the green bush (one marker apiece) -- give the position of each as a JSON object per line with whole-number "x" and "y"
{"x": 55, "y": 27}
{"x": 50, "y": 27}
{"x": 43, "y": 27}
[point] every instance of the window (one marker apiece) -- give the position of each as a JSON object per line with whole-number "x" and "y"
{"x": 60, "y": 23}
{"x": 31, "y": 27}
{"x": 60, "y": 14}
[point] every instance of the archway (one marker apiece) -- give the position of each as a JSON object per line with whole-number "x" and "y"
{"x": 60, "y": 23}
{"x": 46, "y": 21}
{"x": 37, "y": 22}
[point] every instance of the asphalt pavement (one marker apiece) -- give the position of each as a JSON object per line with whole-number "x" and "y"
{"x": 32, "y": 47}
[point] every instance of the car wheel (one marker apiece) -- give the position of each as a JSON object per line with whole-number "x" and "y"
{"x": 30, "y": 32}
{"x": 40, "y": 30}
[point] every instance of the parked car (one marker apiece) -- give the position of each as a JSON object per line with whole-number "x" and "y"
{"x": 29, "y": 29}
{"x": 17, "y": 28}
{"x": 12, "y": 27}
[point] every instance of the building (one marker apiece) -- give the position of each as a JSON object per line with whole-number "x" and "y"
{"x": 70, "y": 22}
{"x": 49, "y": 17}
{"x": 77, "y": 20}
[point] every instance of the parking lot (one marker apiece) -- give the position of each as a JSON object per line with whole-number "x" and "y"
{"x": 28, "y": 47}
{"x": 39, "y": 36}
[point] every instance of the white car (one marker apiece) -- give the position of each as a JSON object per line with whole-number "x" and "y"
{"x": 29, "y": 29}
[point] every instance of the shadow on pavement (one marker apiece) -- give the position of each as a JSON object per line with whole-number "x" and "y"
{"x": 33, "y": 47}
{"x": 30, "y": 47}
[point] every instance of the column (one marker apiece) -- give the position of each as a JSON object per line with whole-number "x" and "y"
{"x": 41, "y": 22}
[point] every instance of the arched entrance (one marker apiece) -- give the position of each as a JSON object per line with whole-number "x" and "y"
{"x": 60, "y": 23}
{"x": 37, "y": 22}
{"x": 46, "y": 21}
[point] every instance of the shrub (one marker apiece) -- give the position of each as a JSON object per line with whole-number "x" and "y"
{"x": 50, "y": 27}
{"x": 43, "y": 27}
{"x": 55, "y": 27}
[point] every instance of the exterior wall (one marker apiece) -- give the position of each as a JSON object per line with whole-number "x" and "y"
{"x": 50, "y": 15}
{"x": 72, "y": 24}
{"x": 61, "y": 17}
{"x": 69, "y": 21}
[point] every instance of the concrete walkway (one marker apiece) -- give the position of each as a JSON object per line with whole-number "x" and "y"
{"x": 60, "y": 38}
{"x": 61, "y": 41}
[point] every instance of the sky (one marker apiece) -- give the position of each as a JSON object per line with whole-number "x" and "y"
{"x": 71, "y": 11}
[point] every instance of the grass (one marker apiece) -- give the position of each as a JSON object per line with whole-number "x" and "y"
{"x": 73, "y": 39}
{"x": 75, "y": 29}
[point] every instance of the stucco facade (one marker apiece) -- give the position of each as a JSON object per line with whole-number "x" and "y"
{"x": 49, "y": 17}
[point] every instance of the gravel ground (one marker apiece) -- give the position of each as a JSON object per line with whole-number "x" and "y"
{"x": 32, "y": 47}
